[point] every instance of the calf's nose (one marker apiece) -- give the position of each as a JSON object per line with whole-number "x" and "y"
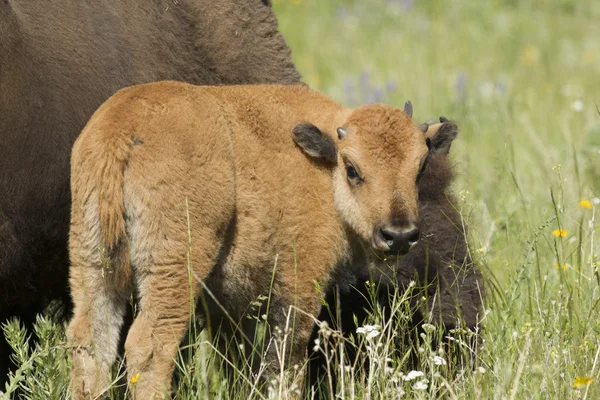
{"x": 391, "y": 238}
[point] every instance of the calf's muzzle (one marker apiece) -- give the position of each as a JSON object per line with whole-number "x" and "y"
{"x": 393, "y": 238}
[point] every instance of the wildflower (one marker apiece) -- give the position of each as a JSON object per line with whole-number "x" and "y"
{"x": 461, "y": 85}
{"x": 421, "y": 385}
{"x": 530, "y": 56}
{"x": 585, "y": 204}
{"x": 564, "y": 266}
{"x": 437, "y": 360}
{"x": 595, "y": 201}
{"x": 486, "y": 90}
{"x": 317, "y": 343}
{"x": 428, "y": 328}
{"x": 560, "y": 233}
{"x": 135, "y": 378}
{"x": 577, "y": 106}
{"x": 481, "y": 370}
{"x": 413, "y": 375}
{"x": 370, "y": 331}
{"x": 582, "y": 380}
{"x": 391, "y": 86}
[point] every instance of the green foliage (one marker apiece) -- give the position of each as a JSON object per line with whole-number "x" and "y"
{"x": 43, "y": 368}
{"x": 521, "y": 79}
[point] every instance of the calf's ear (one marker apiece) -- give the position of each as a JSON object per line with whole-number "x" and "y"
{"x": 314, "y": 142}
{"x": 439, "y": 137}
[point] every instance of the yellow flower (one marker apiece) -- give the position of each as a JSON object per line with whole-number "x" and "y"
{"x": 582, "y": 380}
{"x": 564, "y": 266}
{"x": 530, "y": 55}
{"x": 135, "y": 378}
{"x": 585, "y": 204}
{"x": 560, "y": 232}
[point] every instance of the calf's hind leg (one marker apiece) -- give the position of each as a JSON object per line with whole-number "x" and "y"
{"x": 94, "y": 331}
{"x": 168, "y": 293}
{"x": 169, "y": 266}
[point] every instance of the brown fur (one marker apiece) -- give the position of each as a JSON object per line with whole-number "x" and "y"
{"x": 225, "y": 158}
{"x": 59, "y": 60}
{"x": 439, "y": 263}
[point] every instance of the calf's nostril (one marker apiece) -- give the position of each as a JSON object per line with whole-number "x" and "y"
{"x": 388, "y": 236}
{"x": 413, "y": 236}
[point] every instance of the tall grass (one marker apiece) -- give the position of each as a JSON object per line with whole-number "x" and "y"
{"x": 521, "y": 77}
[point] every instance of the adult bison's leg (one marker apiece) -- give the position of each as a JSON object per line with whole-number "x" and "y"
{"x": 99, "y": 311}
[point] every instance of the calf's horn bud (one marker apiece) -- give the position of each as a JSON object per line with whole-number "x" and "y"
{"x": 408, "y": 109}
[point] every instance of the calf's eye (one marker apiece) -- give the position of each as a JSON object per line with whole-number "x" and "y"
{"x": 352, "y": 174}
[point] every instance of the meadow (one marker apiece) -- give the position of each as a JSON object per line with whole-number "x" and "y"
{"x": 521, "y": 78}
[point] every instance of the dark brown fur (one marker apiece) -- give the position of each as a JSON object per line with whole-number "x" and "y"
{"x": 59, "y": 61}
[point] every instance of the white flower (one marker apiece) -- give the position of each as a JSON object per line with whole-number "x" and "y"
{"x": 437, "y": 360}
{"x": 421, "y": 385}
{"x": 481, "y": 369}
{"x": 317, "y": 343}
{"x": 413, "y": 375}
{"x": 370, "y": 331}
{"x": 428, "y": 328}
{"x": 577, "y": 105}
{"x": 595, "y": 201}
{"x": 486, "y": 90}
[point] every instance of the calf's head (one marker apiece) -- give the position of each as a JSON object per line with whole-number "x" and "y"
{"x": 377, "y": 156}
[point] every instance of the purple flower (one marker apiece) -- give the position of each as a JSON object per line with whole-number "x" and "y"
{"x": 364, "y": 79}
{"x": 461, "y": 85}
{"x": 391, "y": 86}
{"x": 341, "y": 11}
{"x": 404, "y": 4}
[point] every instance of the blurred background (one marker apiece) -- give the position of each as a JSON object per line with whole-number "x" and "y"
{"x": 522, "y": 79}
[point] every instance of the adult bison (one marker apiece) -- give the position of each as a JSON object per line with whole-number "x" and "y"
{"x": 59, "y": 61}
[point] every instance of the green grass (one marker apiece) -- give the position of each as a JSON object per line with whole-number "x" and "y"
{"x": 522, "y": 79}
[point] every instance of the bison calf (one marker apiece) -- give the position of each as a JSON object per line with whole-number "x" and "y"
{"x": 182, "y": 190}
{"x": 440, "y": 264}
